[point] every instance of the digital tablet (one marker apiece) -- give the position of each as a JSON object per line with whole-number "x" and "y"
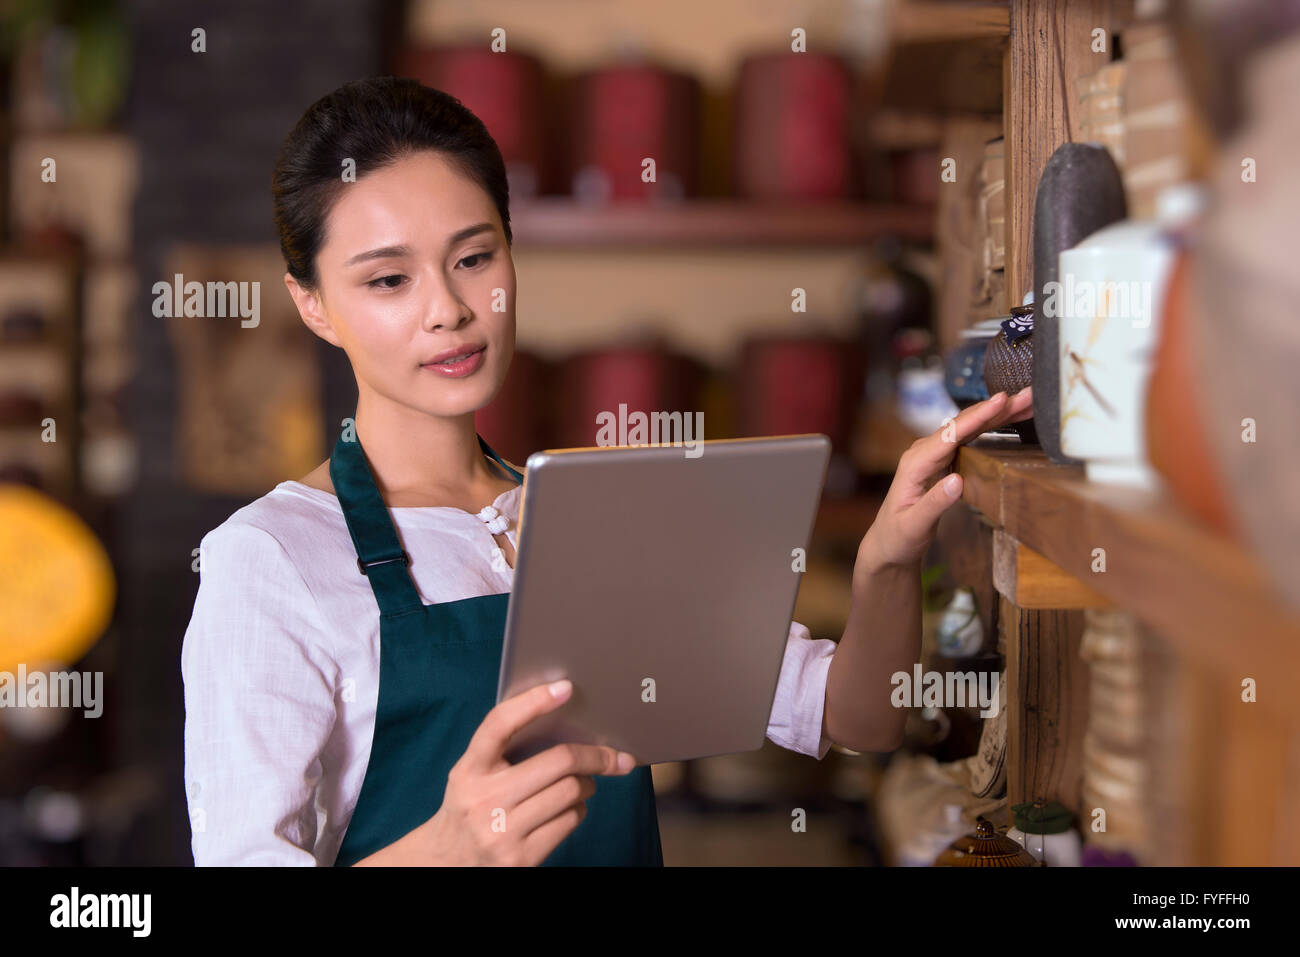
{"x": 662, "y": 581}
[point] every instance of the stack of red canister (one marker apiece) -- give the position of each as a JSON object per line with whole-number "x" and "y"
{"x": 504, "y": 90}
{"x": 626, "y": 115}
{"x": 518, "y": 421}
{"x": 640, "y": 378}
{"x": 792, "y": 128}
{"x": 792, "y": 385}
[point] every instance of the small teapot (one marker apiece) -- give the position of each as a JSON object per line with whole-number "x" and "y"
{"x": 985, "y": 848}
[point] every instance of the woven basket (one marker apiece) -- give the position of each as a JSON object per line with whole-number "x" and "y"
{"x": 1009, "y": 367}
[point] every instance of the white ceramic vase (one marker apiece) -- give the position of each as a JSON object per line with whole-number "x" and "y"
{"x": 1109, "y": 301}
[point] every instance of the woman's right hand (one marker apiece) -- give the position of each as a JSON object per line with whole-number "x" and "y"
{"x": 498, "y": 813}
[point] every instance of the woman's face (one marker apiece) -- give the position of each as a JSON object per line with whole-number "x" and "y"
{"x": 415, "y": 263}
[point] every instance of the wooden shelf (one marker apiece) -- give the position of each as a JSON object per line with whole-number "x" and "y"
{"x": 1125, "y": 685}
{"x": 1205, "y": 594}
{"x": 563, "y": 222}
{"x": 927, "y": 21}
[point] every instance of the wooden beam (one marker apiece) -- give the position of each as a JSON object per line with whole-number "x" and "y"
{"x": 983, "y": 469}
{"x": 1047, "y": 694}
{"x": 1032, "y": 581}
{"x": 1205, "y": 592}
{"x": 950, "y": 76}
{"x": 1050, "y": 48}
{"x": 1208, "y": 595}
{"x": 560, "y": 222}
{"x": 923, "y": 21}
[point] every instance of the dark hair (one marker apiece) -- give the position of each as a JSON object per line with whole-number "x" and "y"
{"x": 373, "y": 122}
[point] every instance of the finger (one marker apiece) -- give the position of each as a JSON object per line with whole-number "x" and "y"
{"x": 1023, "y": 416}
{"x": 1012, "y": 415}
{"x": 1017, "y": 407}
{"x": 550, "y": 802}
{"x": 530, "y": 776}
{"x": 487, "y": 747}
{"x": 539, "y": 844}
{"x": 939, "y": 447}
{"x": 920, "y": 521}
{"x": 1011, "y": 406}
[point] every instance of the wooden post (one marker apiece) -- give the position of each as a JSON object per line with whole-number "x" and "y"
{"x": 1047, "y": 694}
{"x": 963, "y": 142}
{"x": 1050, "y": 48}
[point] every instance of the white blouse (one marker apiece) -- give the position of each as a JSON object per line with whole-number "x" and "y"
{"x": 281, "y": 668}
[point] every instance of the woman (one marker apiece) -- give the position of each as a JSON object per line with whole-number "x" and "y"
{"x": 340, "y": 666}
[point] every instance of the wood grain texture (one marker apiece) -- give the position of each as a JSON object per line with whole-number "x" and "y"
{"x": 1050, "y": 49}
{"x": 1031, "y": 580}
{"x": 983, "y": 464}
{"x": 1203, "y": 592}
{"x": 1047, "y": 697}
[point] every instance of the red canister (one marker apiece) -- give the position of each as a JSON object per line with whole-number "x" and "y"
{"x": 792, "y": 385}
{"x": 792, "y": 128}
{"x": 519, "y": 421}
{"x": 504, "y": 90}
{"x": 625, "y": 115}
{"x": 609, "y": 385}
{"x": 916, "y": 175}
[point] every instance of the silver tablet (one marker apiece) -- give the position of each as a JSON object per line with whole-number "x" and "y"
{"x": 662, "y": 581}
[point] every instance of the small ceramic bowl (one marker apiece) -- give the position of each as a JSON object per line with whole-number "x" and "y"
{"x": 964, "y": 368}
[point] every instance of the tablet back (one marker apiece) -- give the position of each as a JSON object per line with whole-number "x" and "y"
{"x": 664, "y": 586}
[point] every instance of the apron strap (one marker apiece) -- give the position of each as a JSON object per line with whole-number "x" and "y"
{"x": 380, "y": 556}
{"x": 499, "y": 460}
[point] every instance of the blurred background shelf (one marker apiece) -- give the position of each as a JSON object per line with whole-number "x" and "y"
{"x": 925, "y": 21}
{"x": 847, "y": 519}
{"x": 557, "y": 222}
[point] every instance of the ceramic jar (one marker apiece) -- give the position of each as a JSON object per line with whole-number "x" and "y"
{"x": 1108, "y": 303}
{"x": 1043, "y": 829}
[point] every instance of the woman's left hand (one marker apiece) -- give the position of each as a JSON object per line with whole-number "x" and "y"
{"x": 923, "y": 490}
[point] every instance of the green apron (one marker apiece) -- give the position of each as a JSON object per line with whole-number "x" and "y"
{"x": 439, "y": 666}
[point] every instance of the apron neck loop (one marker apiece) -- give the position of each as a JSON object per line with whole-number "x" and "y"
{"x": 380, "y": 556}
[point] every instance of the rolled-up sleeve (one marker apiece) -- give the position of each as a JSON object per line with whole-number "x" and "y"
{"x": 796, "y": 719}
{"x": 259, "y": 704}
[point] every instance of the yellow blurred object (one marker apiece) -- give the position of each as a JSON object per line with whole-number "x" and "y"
{"x": 56, "y": 583}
